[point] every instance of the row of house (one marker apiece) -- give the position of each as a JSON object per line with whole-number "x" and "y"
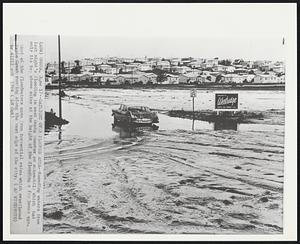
{"x": 188, "y": 78}
{"x": 171, "y": 71}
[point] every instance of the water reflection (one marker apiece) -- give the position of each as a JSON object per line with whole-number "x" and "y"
{"x": 59, "y": 134}
{"x": 225, "y": 125}
{"x": 126, "y": 131}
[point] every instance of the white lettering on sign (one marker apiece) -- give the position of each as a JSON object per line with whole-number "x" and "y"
{"x": 226, "y": 100}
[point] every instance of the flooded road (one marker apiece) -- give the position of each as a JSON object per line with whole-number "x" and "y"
{"x": 174, "y": 179}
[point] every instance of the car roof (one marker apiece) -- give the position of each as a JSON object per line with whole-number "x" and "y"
{"x": 137, "y": 107}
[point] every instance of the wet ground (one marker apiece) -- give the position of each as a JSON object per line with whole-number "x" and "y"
{"x": 183, "y": 177}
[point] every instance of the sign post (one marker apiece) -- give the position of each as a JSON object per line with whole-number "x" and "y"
{"x": 193, "y": 95}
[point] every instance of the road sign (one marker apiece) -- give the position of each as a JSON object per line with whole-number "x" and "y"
{"x": 193, "y": 93}
{"x": 226, "y": 101}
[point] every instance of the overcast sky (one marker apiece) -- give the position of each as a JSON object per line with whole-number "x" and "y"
{"x": 249, "y": 31}
{"x": 249, "y": 49}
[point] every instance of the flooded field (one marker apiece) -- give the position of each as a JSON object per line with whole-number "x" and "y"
{"x": 184, "y": 177}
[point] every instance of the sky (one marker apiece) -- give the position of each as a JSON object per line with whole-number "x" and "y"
{"x": 132, "y": 47}
{"x": 248, "y": 31}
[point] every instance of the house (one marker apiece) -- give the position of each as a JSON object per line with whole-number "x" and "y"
{"x": 52, "y": 68}
{"x": 241, "y": 71}
{"x": 111, "y": 70}
{"x": 128, "y": 60}
{"x": 80, "y": 77}
{"x": 206, "y": 79}
{"x": 127, "y": 78}
{"x": 105, "y": 68}
{"x": 229, "y": 69}
{"x": 88, "y": 68}
{"x": 278, "y": 68}
{"x": 209, "y": 63}
{"x": 223, "y": 68}
{"x": 188, "y": 78}
{"x": 103, "y": 77}
{"x": 130, "y": 68}
{"x": 233, "y": 78}
{"x": 180, "y": 69}
{"x": 175, "y": 61}
{"x": 195, "y": 64}
{"x": 187, "y": 61}
{"x": 206, "y": 73}
{"x": 145, "y": 67}
{"x": 249, "y": 77}
{"x": 96, "y": 77}
{"x": 149, "y": 77}
{"x": 141, "y": 60}
{"x": 281, "y": 79}
{"x": 48, "y": 79}
{"x": 171, "y": 79}
{"x": 68, "y": 67}
{"x": 249, "y": 64}
{"x": 265, "y": 78}
{"x": 86, "y": 62}
{"x": 219, "y": 68}
{"x": 164, "y": 65}
{"x": 111, "y": 61}
{"x": 183, "y": 79}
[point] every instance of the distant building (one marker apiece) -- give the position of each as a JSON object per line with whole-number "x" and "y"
{"x": 79, "y": 78}
{"x": 52, "y": 68}
{"x": 180, "y": 69}
{"x": 164, "y": 65}
{"x": 88, "y": 68}
{"x": 145, "y": 67}
{"x": 128, "y": 60}
{"x": 171, "y": 79}
{"x": 195, "y": 64}
{"x": 48, "y": 80}
{"x": 149, "y": 77}
{"x": 281, "y": 79}
{"x": 233, "y": 78}
{"x": 127, "y": 78}
{"x": 265, "y": 78}
{"x": 130, "y": 68}
{"x": 223, "y": 68}
{"x": 206, "y": 79}
{"x": 175, "y": 61}
{"x": 209, "y": 63}
{"x": 188, "y": 78}
{"x": 278, "y": 68}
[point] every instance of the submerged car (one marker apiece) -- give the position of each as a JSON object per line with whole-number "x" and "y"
{"x": 134, "y": 115}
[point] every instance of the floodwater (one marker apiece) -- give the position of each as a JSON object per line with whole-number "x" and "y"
{"x": 183, "y": 177}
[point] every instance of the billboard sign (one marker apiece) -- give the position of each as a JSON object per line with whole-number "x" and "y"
{"x": 226, "y": 101}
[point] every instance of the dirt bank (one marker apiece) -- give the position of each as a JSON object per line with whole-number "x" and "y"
{"x": 238, "y": 116}
{"x": 51, "y": 120}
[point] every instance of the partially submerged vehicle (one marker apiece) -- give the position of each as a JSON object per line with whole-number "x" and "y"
{"x": 126, "y": 131}
{"x": 134, "y": 115}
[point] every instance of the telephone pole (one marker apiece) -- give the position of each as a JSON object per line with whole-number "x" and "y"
{"x": 59, "y": 79}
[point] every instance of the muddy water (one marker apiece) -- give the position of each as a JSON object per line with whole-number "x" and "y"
{"x": 179, "y": 178}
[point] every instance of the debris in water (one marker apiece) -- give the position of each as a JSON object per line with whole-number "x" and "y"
{"x": 51, "y": 120}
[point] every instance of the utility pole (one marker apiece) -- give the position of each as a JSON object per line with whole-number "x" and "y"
{"x": 59, "y": 80}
